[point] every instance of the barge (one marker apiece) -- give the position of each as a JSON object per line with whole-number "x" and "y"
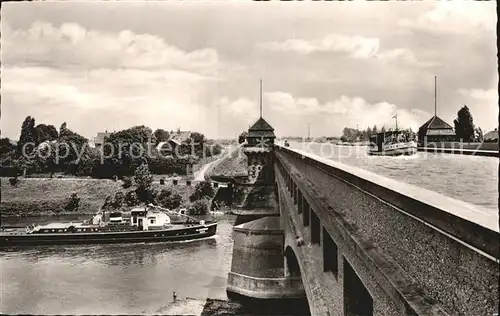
{"x": 146, "y": 224}
{"x": 392, "y": 143}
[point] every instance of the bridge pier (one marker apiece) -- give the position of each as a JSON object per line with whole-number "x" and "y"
{"x": 258, "y": 267}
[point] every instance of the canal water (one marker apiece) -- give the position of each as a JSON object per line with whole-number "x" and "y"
{"x": 472, "y": 179}
{"x": 114, "y": 279}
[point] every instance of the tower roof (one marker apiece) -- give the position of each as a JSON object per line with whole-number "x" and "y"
{"x": 261, "y": 129}
{"x": 436, "y": 123}
{"x": 261, "y": 125}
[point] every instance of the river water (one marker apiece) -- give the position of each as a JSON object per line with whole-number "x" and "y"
{"x": 473, "y": 179}
{"x": 114, "y": 279}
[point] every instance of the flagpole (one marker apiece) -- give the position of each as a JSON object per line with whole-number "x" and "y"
{"x": 260, "y": 98}
{"x": 435, "y": 96}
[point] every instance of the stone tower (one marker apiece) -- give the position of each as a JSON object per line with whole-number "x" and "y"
{"x": 258, "y": 149}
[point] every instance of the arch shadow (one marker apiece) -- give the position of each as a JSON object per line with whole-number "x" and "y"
{"x": 292, "y": 263}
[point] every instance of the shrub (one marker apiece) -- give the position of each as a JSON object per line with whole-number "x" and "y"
{"x": 131, "y": 199}
{"x": 119, "y": 200}
{"x": 167, "y": 199}
{"x": 73, "y": 203}
{"x": 127, "y": 182}
{"x": 202, "y": 190}
{"x": 108, "y": 203}
{"x": 14, "y": 181}
{"x": 199, "y": 207}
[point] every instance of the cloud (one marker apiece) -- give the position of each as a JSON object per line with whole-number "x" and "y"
{"x": 404, "y": 55}
{"x": 72, "y": 45}
{"x": 456, "y": 17}
{"x": 357, "y": 47}
{"x": 114, "y": 80}
{"x": 345, "y": 111}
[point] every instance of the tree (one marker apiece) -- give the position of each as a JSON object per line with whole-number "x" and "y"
{"x": 127, "y": 182}
{"x": 374, "y": 129}
{"x": 368, "y": 132}
{"x": 143, "y": 180}
{"x": 199, "y": 207}
{"x": 382, "y": 130}
{"x": 242, "y": 137}
{"x": 464, "y": 125}
{"x": 202, "y": 190}
{"x": 28, "y": 136}
{"x": 161, "y": 135}
{"x": 108, "y": 203}
{"x": 46, "y": 133}
{"x": 128, "y": 149}
{"x": 168, "y": 199}
{"x": 119, "y": 200}
{"x": 6, "y": 147}
{"x": 478, "y": 134}
{"x": 14, "y": 181}
{"x": 131, "y": 198}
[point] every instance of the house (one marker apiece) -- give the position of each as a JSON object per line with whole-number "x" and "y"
{"x": 175, "y": 139}
{"x": 100, "y": 139}
{"x": 435, "y": 130}
{"x": 491, "y": 137}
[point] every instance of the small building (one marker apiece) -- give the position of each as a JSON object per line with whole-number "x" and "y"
{"x": 260, "y": 134}
{"x": 491, "y": 137}
{"x": 258, "y": 147}
{"x": 435, "y": 130}
{"x": 175, "y": 139}
{"x": 100, "y": 139}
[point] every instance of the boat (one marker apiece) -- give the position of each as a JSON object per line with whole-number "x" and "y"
{"x": 146, "y": 224}
{"x": 392, "y": 143}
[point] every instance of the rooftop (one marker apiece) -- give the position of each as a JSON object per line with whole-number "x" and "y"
{"x": 261, "y": 125}
{"x": 436, "y": 123}
{"x": 99, "y": 139}
{"x": 492, "y": 135}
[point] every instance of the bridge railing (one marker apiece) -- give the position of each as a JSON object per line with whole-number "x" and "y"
{"x": 416, "y": 243}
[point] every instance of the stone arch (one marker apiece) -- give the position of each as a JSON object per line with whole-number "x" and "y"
{"x": 291, "y": 263}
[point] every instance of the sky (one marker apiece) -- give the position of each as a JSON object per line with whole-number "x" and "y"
{"x": 196, "y": 65}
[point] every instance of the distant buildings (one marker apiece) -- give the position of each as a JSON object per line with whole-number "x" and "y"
{"x": 491, "y": 137}
{"x": 100, "y": 138}
{"x": 175, "y": 139}
{"x": 435, "y": 130}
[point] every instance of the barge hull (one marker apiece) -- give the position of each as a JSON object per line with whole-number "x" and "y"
{"x": 195, "y": 232}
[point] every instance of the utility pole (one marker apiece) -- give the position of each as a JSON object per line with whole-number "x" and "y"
{"x": 309, "y": 130}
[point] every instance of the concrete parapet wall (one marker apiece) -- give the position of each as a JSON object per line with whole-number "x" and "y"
{"x": 489, "y": 146}
{"x": 423, "y": 253}
{"x": 265, "y": 288}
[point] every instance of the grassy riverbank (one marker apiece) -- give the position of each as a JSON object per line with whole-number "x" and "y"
{"x": 33, "y": 197}
{"x": 233, "y": 165}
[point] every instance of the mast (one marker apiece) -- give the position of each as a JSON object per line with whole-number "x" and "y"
{"x": 309, "y": 130}
{"x": 260, "y": 98}
{"x": 435, "y": 96}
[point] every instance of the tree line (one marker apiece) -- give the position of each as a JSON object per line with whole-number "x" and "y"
{"x": 65, "y": 151}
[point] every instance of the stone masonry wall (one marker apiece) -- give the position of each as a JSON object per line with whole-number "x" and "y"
{"x": 460, "y": 279}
